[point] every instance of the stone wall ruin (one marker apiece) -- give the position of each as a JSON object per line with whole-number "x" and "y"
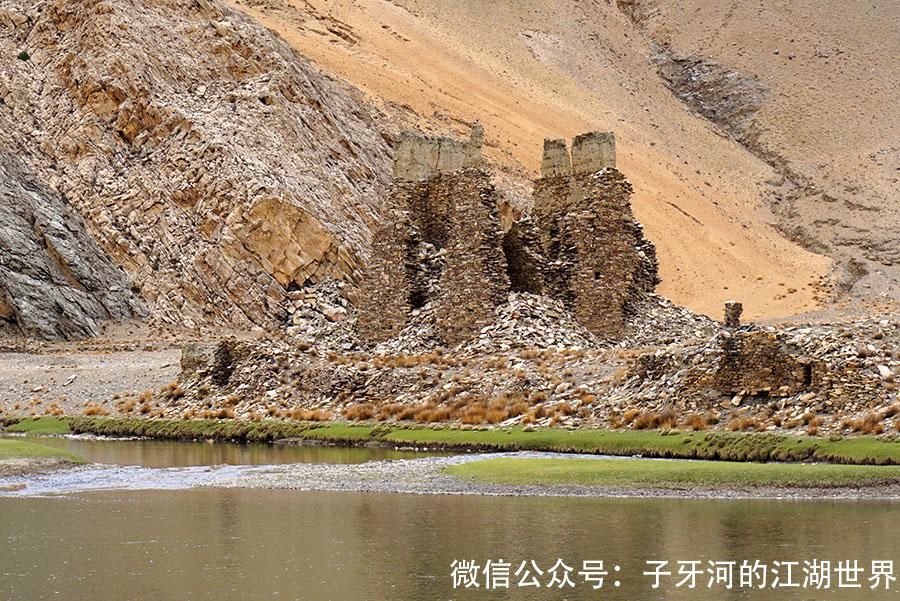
{"x": 757, "y": 362}
{"x": 596, "y": 258}
{"x": 441, "y": 246}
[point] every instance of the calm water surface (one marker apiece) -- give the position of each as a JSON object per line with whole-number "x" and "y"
{"x": 166, "y": 453}
{"x": 217, "y": 544}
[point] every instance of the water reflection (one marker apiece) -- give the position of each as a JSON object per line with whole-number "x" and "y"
{"x": 164, "y": 453}
{"x": 255, "y": 544}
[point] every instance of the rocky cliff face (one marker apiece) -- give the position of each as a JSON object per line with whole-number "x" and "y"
{"x": 54, "y": 280}
{"x": 208, "y": 159}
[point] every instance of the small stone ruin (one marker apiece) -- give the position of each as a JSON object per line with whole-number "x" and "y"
{"x": 758, "y": 362}
{"x": 441, "y": 246}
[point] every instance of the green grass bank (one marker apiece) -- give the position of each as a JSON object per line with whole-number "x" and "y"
{"x": 14, "y": 449}
{"x": 635, "y": 473}
{"x": 722, "y": 446}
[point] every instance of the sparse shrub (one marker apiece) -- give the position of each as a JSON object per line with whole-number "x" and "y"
{"x": 870, "y": 423}
{"x": 566, "y": 409}
{"x": 538, "y": 397}
{"x": 172, "y": 391}
{"x": 668, "y": 419}
{"x": 649, "y": 420}
{"x": 475, "y": 414}
{"x": 646, "y": 420}
{"x": 517, "y": 408}
{"x": 53, "y": 409}
{"x": 630, "y": 415}
{"x": 495, "y": 416}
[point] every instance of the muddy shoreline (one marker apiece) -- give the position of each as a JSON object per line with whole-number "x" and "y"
{"x": 32, "y": 466}
{"x": 419, "y": 476}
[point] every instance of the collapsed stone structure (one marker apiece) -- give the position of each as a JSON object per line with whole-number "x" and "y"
{"x": 441, "y": 246}
{"x": 758, "y": 362}
{"x": 440, "y": 242}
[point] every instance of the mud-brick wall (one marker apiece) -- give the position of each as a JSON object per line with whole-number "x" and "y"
{"x": 597, "y": 259}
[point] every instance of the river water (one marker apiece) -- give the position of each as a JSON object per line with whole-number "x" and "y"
{"x": 235, "y": 543}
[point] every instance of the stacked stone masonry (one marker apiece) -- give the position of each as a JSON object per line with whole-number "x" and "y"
{"x": 440, "y": 243}
{"x": 757, "y": 362}
{"x": 596, "y": 258}
{"x": 441, "y": 246}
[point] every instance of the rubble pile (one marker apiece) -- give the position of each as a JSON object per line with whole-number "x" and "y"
{"x": 531, "y": 321}
{"x": 535, "y": 365}
{"x": 322, "y": 315}
{"x": 656, "y": 321}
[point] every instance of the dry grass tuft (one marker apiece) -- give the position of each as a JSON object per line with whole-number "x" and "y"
{"x": 93, "y": 409}
{"x": 696, "y": 422}
{"x": 745, "y": 424}
{"x": 359, "y": 412}
{"x": 649, "y": 420}
{"x": 172, "y": 391}
{"x": 870, "y": 423}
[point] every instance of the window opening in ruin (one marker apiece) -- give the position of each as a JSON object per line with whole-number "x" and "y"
{"x": 807, "y": 375}
{"x": 417, "y": 299}
{"x": 520, "y": 268}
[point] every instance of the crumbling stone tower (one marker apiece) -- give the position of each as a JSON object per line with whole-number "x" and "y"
{"x": 596, "y": 259}
{"x": 441, "y": 246}
{"x": 439, "y": 243}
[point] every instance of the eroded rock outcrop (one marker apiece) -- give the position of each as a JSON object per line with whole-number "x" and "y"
{"x": 54, "y": 280}
{"x": 207, "y": 158}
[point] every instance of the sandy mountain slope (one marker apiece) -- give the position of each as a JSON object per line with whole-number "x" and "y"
{"x": 828, "y": 119}
{"x": 208, "y": 159}
{"x": 529, "y": 69}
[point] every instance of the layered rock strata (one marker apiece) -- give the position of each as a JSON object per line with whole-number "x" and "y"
{"x": 207, "y": 158}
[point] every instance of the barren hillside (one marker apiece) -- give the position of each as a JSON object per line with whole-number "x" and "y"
{"x": 716, "y": 206}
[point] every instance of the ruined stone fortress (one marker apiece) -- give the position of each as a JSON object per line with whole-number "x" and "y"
{"x": 441, "y": 246}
